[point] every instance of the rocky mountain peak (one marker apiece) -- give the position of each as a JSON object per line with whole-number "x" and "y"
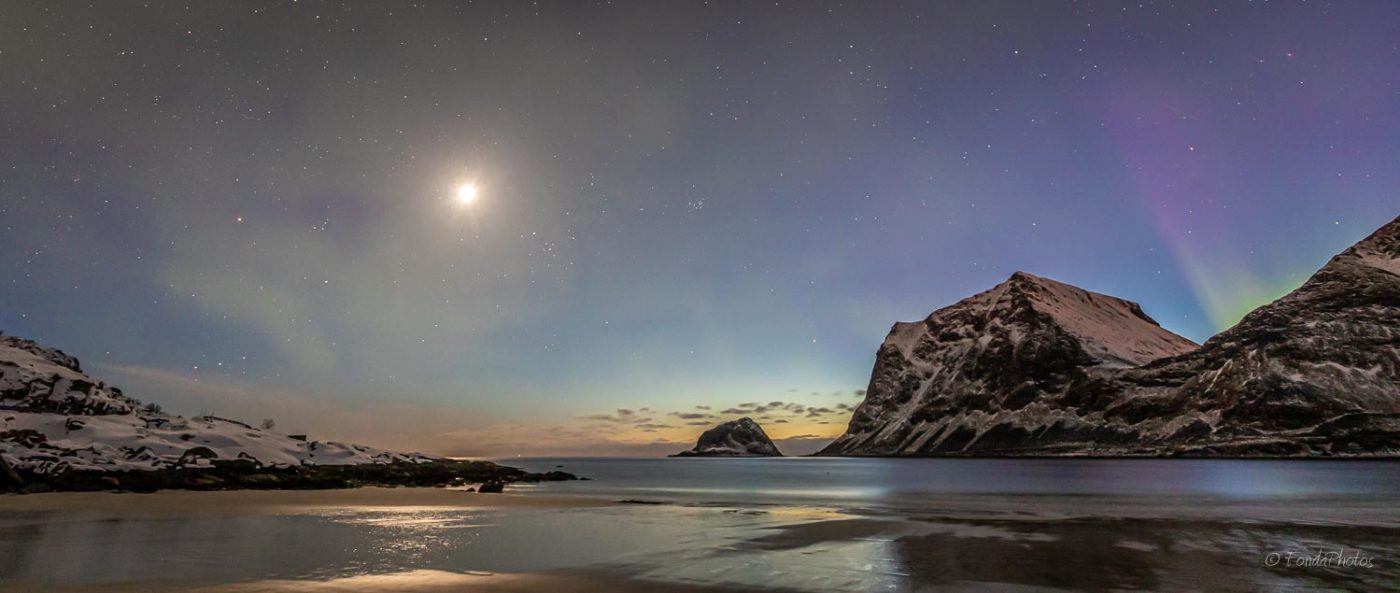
{"x": 1381, "y": 250}
{"x": 1110, "y": 329}
{"x": 50, "y": 355}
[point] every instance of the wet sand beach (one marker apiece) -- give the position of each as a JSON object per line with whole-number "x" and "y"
{"x": 736, "y": 534}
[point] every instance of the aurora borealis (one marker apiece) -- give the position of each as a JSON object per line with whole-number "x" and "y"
{"x": 678, "y": 208}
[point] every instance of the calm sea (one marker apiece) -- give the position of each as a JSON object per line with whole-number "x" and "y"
{"x": 912, "y": 483}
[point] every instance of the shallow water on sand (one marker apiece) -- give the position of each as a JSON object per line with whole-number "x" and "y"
{"x": 911, "y": 483}
{"x": 787, "y": 524}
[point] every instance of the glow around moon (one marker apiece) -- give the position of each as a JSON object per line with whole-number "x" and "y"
{"x": 466, "y": 194}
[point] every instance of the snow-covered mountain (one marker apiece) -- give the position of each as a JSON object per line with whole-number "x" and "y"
{"x": 1037, "y": 367}
{"x": 1005, "y": 357}
{"x": 736, "y": 438}
{"x": 55, "y": 418}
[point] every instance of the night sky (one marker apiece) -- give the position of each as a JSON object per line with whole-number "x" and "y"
{"x": 252, "y": 209}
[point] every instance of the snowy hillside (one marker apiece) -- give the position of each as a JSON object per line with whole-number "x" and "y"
{"x": 54, "y": 417}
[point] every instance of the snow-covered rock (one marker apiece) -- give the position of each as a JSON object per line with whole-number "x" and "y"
{"x": 54, "y": 417}
{"x": 736, "y": 438}
{"x": 1037, "y": 367}
{"x": 1010, "y": 352}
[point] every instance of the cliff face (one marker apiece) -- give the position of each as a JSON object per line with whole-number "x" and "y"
{"x": 1315, "y": 372}
{"x": 736, "y": 438}
{"x": 1036, "y": 367}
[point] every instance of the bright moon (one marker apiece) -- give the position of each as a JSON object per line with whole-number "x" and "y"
{"x": 466, "y": 194}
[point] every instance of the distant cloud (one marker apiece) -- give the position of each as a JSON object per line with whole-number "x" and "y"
{"x": 622, "y": 417}
{"x": 689, "y": 415}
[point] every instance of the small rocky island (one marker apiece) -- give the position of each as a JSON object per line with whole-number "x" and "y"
{"x": 736, "y": 438}
{"x": 61, "y": 429}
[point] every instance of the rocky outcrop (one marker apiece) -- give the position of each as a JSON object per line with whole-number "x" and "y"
{"x": 736, "y": 438}
{"x": 1037, "y": 367}
{"x": 9, "y": 478}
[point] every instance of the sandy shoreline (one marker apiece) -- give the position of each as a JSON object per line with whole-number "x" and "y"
{"x": 276, "y": 502}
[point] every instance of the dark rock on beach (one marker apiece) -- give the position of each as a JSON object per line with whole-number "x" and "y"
{"x": 247, "y": 476}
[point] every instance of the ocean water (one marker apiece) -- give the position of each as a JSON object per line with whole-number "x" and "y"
{"x": 802, "y": 524}
{"x": 905, "y": 484}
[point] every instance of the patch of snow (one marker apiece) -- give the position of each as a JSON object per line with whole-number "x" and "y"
{"x": 1108, "y": 327}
